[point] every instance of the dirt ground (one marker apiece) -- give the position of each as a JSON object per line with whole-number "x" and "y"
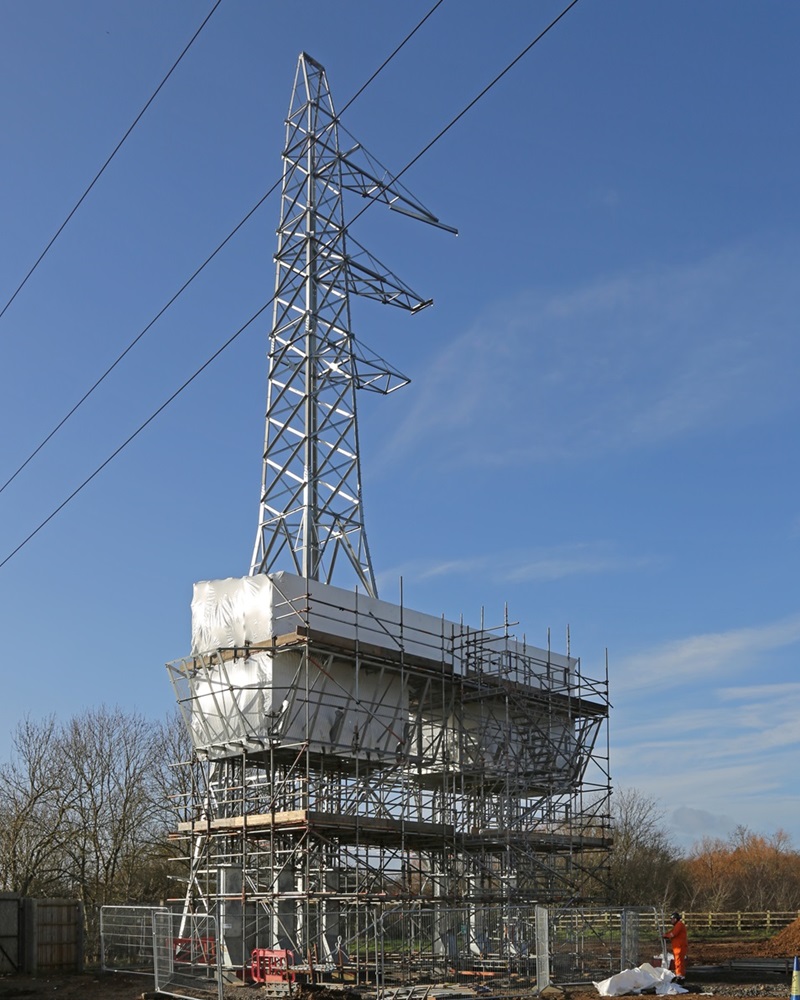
{"x": 97, "y": 986}
{"x": 724, "y": 983}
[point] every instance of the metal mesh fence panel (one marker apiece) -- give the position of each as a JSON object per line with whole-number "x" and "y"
{"x": 126, "y": 938}
{"x": 187, "y": 956}
{"x": 591, "y": 944}
{"x": 480, "y": 945}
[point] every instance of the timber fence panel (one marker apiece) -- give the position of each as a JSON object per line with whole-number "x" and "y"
{"x": 10, "y": 925}
{"x": 53, "y": 935}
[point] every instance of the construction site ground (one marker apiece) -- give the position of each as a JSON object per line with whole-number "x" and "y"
{"x": 733, "y": 969}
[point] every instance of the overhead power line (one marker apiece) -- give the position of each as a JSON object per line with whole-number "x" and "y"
{"x": 136, "y": 433}
{"x": 439, "y": 135}
{"x": 114, "y": 152}
{"x": 488, "y": 87}
{"x": 389, "y": 58}
{"x": 136, "y": 340}
{"x": 202, "y": 266}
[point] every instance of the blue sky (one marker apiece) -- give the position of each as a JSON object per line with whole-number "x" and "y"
{"x": 601, "y": 427}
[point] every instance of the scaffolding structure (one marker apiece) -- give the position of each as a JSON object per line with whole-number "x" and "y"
{"x": 382, "y": 790}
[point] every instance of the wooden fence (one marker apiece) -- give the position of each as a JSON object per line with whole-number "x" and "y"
{"x": 702, "y": 925}
{"x": 40, "y": 935}
{"x": 737, "y": 924}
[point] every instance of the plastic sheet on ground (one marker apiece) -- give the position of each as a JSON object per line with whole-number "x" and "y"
{"x": 645, "y": 977}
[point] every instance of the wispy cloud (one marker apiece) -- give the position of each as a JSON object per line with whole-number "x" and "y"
{"x": 578, "y": 559}
{"x": 699, "y": 823}
{"x": 626, "y": 363}
{"x": 712, "y": 745}
{"x": 686, "y": 781}
{"x": 703, "y": 656}
{"x": 715, "y": 730}
{"x": 540, "y": 565}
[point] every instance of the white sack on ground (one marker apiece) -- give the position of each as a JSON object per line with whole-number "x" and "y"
{"x": 644, "y": 977}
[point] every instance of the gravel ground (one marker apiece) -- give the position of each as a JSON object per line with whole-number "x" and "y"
{"x": 117, "y": 987}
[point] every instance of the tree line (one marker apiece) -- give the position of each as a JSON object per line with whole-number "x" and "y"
{"x": 748, "y": 871}
{"x": 85, "y": 809}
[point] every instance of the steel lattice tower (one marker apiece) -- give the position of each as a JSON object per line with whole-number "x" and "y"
{"x": 385, "y": 795}
{"x": 311, "y": 506}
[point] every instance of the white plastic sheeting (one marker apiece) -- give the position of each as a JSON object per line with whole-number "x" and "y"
{"x": 253, "y": 609}
{"x": 239, "y": 691}
{"x": 644, "y": 977}
{"x": 264, "y": 697}
{"x": 233, "y": 612}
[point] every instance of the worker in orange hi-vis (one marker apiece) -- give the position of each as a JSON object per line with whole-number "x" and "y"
{"x": 679, "y": 941}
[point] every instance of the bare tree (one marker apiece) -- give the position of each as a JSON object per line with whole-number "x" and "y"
{"x": 114, "y": 759}
{"x": 36, "y": 793}
{"x": 644, "y": 866}
{"x": 84, "y": 810}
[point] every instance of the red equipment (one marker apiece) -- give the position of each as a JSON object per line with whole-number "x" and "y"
{"x": 268, "y": 965}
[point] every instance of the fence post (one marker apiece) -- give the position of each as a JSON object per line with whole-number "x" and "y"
{"x": 629, "y": 939}
{"x": 30, "y": 961}
{"x": 80, "y": 943}
{"x": 542, "y": 920}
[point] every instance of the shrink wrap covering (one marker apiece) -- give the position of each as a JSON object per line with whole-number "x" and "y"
{"x": 340, "y": 702}
{"x": 258, "y": 698}
{"x": 253, "y": 609}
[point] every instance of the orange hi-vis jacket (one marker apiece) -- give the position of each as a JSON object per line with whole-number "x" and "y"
{"x": 679, "y": 941}
{"x": 677, "y": 936}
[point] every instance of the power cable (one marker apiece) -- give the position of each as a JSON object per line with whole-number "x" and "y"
{"x": 116, "y": 149}
{"x": 269, "y": 301}
{"x": 136, "y": 339}
{"x": 487, "y": 88}
{"x": 207, "y": 261}
{"x": 138, "y": 431}
{"x": 389, "y": 58}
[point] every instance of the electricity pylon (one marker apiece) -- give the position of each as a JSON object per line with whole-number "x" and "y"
{"x": 311, "y": 506}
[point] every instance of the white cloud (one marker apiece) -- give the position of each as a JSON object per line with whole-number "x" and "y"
{"x": 700, "y": 657}
{"x": 712, "y": 751}
{"x": 578, "y": 559}
{"x": 713, "y": 731}
{"x": 453, "y": 567}
{"x": 699, "y": 823}
{"x": 626, "y": 363}
{"x": 541, "y": 565}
